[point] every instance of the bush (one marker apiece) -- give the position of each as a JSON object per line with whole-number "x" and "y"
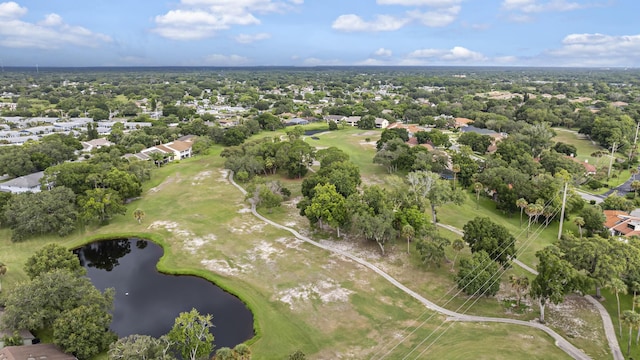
{"x": 594, "y": 184}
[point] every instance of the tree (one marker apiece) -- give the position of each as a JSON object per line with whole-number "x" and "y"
{"x": 533, "y": 211}
{"x": 476, "y": 275}
{"x": 457, "y": 245}
{"x": 635, "y": 185}
{"x": 596, "y": 256}
{"x": 191, "y": 335}
{"x": 140, "y": 347}
{"x": 631, "y": 318}
{"x": 50, "y": 257}
{"x": 618, "y": 287}
{"x": 408, "y": 232}
{"x": 48, "y": 212}
{"x": 376, "y": 227}
{"x": 225, "y": 353}
{"x": 477, "y": 186}
{"x": 520, "y": 284}
{"x": 3, "y": 271}
{"x": 579, "y": 221}
{"x": 297, "y": 355}
{"x": 100, "y": 204}
{"x": 593, "y": 219}
{"x": 432, "y": 249}
{"x": 138, "y": 214}
{"x": 482, "y": 234}
{"x": 83, "y": 331}
{"x": 50, "y": 295}
{"x": 556, "y": 278}
{"x": 327, "y": 205}
{"x": 522, "y": 204}
{"x": 242, "y": 352}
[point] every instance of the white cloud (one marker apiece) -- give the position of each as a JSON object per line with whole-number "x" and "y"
{"x": 11, "y": 10}
{"x": 457, "y": 54}
{"x": 225, "y": 60}
{"x": 372, "y": 62}
{"x": 351, "y": 23}
{"x": 50, "y": 33}
{"x": 433, "y": 3}
{"x": 597, "y": 50}
{"x": 382, "y": 52}
{"x": 199, "y": 19}
{"x": 506, "y": 59}
{"x": 536, "y": 6}
{"x": 436, "y": 18}
{"x": 249, "y": 38}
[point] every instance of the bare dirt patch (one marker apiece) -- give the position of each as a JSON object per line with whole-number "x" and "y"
{"x": 191, "y": 242}
{"x": 162, "y": 185}
{"x": 264, "y": 251}
{"x": 570, "y": 317}
{"x": 201, "y": 176}
{"x": 220, "y": 267}
{"x": 327, "y": 291}
{"x": 224, "y": 175}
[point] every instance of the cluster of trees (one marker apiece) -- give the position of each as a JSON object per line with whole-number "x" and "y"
{"x": 268, "y": 156}
{"x": 38, "y": 155}
{"x": 63, "y": 300}
{"x": 84, "y": 192}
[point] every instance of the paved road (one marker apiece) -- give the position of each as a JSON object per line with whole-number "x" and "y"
{"x": 561, "y": 342}
{"x": 588, "y": 197}
{"x": 609, "y": 330}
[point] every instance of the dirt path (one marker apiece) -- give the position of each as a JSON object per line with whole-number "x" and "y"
{"x": 561, "y": 342}
{"x": 607, "y": 323}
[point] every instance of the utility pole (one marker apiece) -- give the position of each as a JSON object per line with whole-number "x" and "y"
{"x": 613, "y": 151}
{"x": 564, "y": 203}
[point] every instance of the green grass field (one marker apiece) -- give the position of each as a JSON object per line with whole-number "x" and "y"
{"x": 303, "y": 297}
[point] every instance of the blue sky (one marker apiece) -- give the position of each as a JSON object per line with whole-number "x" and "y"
{"x": 600, "y": 33}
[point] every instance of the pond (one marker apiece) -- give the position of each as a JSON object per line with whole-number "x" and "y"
{"x": 147, "y": 302}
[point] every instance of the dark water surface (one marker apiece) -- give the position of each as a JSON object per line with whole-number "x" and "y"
{"x": 147, "y": 302}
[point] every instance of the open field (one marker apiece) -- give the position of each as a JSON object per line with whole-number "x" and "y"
{"x": 303, "y": 297}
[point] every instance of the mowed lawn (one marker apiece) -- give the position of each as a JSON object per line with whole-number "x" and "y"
{"x": 302, "y": 297}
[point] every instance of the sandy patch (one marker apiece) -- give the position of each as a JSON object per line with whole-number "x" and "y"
{"x": 201, "y": 176}
{"x": 569, "y": 316}
{"x": 291, "y": 243}
{"x": 221, "y": 267}
{"x": 224, "y": 175}
{"x": 263, "y": 251}
{"x": 191, "y": 243}
{"x": 247, "y": 228}
{"x": 244, "y": 210}
{"x": 327, "y": 291}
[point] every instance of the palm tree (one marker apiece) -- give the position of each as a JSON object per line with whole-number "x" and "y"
{"x": 533, "y": 211}
{"x": 635, "y": 185}
{"x": 618, "y": 287}
{"x": 242, "y": 351}
{"x": 520, "y": 284}
{"x": 522, "y": 204}
{"x": 478, "y": 187}
{"x": 138, "y": 214}
{"x": 632, "y": 319}
{"x": 3, "y": 270}
{"x": 408, "y": 232}
{"x": 579, "y": 220}
{"x": 457, "y": 245}
{"x": 456, "y": 169}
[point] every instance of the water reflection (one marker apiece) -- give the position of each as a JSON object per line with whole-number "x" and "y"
{"x": 147, "y": 302}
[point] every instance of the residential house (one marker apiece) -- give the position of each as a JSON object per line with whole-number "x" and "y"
{"x": 95, "y": 144}
{"x": 335, "y": 118}
{"x": 26, "y": 335}
{"x": 589, "y": 169}
{"x": 27, "y": 183}
{"x": 461, "y": 122}
{"x": 296, "y": 121}
{"x": 353, "y": 120}
{"x": 175, "y": 150}
{"x": 621, "y": 223}
{"x": 381, "y": 123}
{"x": 34, "y": 352}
